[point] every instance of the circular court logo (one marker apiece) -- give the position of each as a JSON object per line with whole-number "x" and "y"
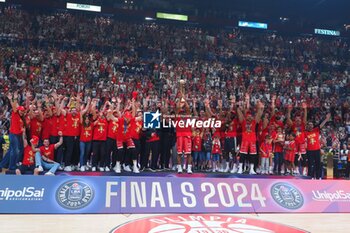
{"x": 287, "y": 196}
{"x": 188, "y": 223}
{"x": 74, "y": 195}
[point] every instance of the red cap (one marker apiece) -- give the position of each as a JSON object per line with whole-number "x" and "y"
{"x": 20, "y": 108}
{"x": 34, "y": 140}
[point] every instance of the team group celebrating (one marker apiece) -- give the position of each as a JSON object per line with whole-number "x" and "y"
{"x": 81, "y": 133}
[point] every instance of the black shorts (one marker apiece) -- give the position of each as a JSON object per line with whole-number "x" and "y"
{"x": 230, "y": 145}
{"x": 302, "y": 162}
{"x": 26, "y": 168}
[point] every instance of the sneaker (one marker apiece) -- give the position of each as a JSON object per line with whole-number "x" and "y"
{"x": 101, "y": 169}
{"x": 40, "y": 169}
{"x": 251, "y": 171}
{"x": 117, "y": 168}
{"x": 179, "y": 169}
{"x": 82, "y": 168}
{"x": 126, "y": 168}
{"x": 49, "y": 174}
{"x": 60, "y": 168}
{"x": 107, "y": 169}
{"x": 68, "y": 169}
{"x": 189, "y": 169}
{"x": 304, "y": 172}
{"x": 93, "y": 169}
{"x": 135, "y": 169}
{"x": 234, "y": 169}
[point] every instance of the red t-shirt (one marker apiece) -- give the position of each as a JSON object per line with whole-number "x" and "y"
{"x": 16, "y": 126}
{"x": 48, "y": 152}
{"x": 231, "y": 132}
{"x": 216, "y": 147}
{"x": 100, "y": 130}
{"x": 136, "y": 129}
{"x": 120, "y": 133}
{"x": 197, "y": 143}
{"x": 182, "y": 131}
{"x": 291, "y": 149}
{"x": 72, "y": 126}
{"x": 28, "y": 156}
{"x": 86, "y": 134}
{"x": 248, "y": 131}
{"x": 46, "y": 127}
{"x": 57, "y": 124}
{"x": 299, "y": 133}
{"x": 267, "y": 148}
{"x": 35, "y": 127}
{"x": 112, "y": 129}
{"x": 313, "y": 139}
{"x": 278, "y": 145}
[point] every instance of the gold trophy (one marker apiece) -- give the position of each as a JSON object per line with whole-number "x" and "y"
{"x": 182, "y": 89}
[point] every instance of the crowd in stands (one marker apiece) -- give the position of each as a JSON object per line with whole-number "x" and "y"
{"x": 58, "y": 68}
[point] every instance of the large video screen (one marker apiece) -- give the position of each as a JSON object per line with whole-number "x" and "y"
{"x": 252, "y": 24}
{"x": 83, "y": 7}
{"x": 161, "y": 15}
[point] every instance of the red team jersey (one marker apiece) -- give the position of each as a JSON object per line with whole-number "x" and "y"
{"x": 72, "y": 126}
{"x": 299, "y": 132}
{"x": 86, "y": 133}
{"x": 197, "y": 143}
{"x": 278, "y": 146}
{"x": 313, "y": 139}
{"x": 183, "y": 131}
{"x": 290, "y": 151}
{"x": 16, "y": 126}
{"x": 267, "y": 148}
{"x": 35, "y": 127}
{"x": 29, "y": 156}
{"x": 136, "y": 129}
{"x": 56, "y": 124}
{"x": 112, "y": 129}
{"x": 100, "y": 130}
{"x": 45, "y": 132}
{"x": 248, "y": 131}
{"x": 216, "y": 147}
{"x": 48, "y": 152}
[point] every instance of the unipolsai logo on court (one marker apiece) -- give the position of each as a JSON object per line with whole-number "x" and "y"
{"x": 74, "y": 195}
{"x": 287, "y": 196}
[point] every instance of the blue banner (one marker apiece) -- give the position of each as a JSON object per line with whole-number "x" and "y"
{"x": 107, "y": 194}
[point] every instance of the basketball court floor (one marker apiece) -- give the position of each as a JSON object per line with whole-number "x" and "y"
{"x": 318, "y": 223}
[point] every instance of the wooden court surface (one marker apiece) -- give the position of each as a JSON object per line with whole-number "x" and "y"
{"x": 100, "y": 223}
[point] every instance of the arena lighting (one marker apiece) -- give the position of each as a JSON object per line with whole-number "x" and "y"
{"x": 149, "y": 18}
{"x": 2, "y": 0}
{"x": 172, "y": 16}
{"x": 83, "y": 7}
{"x": 327, "y": 32}
{"x": 252, "y": 25}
